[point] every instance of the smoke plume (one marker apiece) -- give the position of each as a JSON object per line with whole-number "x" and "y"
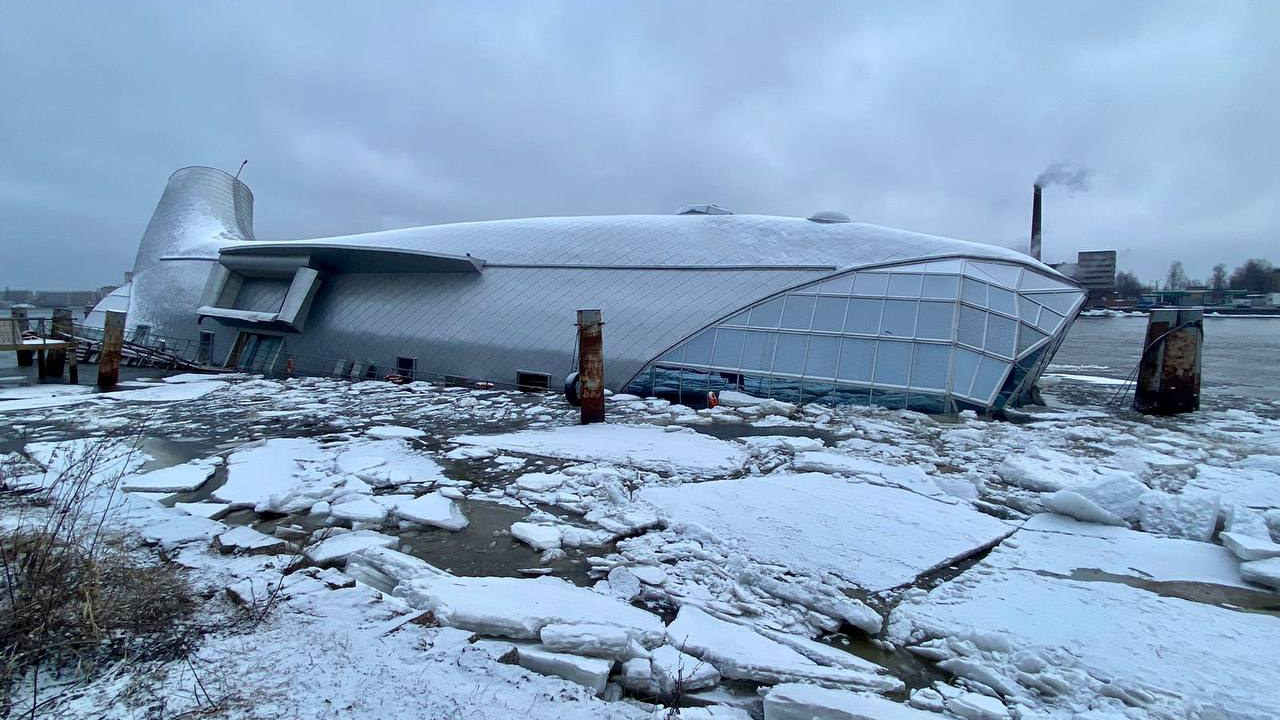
{"x": 1075, "y": 178}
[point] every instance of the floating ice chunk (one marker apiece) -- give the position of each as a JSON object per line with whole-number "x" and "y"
{"x": 972, "y": 706}
{"x": 794, "y": 701}
{"x": 1241, "y": 520}
{"x": 387, "y": 463}
{"x": 433, "y": 509}
{"x": 606, "y": 641}
{"x": 268, "y": 475}
{"x": 1075, "y": 641}
{"x": 674, "y": 670}
{"x": 1248, "y": 486}
{"x": 741, "y": 653}
{"x": 1263, "y": 572}
{"x": 180, "y": 530}
{"x": 822, "y": 654}
{"x": 360, "y": 509}
{"x": 245, "y": 539}
{"x": 1043, "y": 470}
{"x": 390, "y": 432}
{"x": 1110, "y": 502}
{"x": 835, "y": 463}
{"x": 1250, "y": 547}
{"x": 590, "y": 672}
{"x": 623, "y": 584}
{"x": 203, "y": 509}
{"x": 174, "y": 479}
{"x": 541, "y": 482}
{"x": 338, "y": 547}
{"x": 168, "y": 393}
{"x": 93, "y": 459}
{"x": 1064, "y": 547}
{"x": 468, "y": 452}
{"x": 536, "y": 536}
{"x": 872, "y": 536}
{"x": 649, "y": 574}
{"x": 651, "y": 448}
{"x": 1192, "y": 515}
{"x": 520, "y": 608}
{"x": 714, "y": 712}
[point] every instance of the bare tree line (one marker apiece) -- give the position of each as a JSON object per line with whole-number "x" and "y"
{"x": 1256, "y": 275}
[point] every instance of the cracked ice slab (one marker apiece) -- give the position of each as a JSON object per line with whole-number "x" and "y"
{"x": 520, "y": 608}
{"x": 650, "y": 448}
{"x": 1059, "y": 545}
{"x": 795, "y": 701}
{"x": 1079, "y": 643}
{"x": 872, "y": 536}
{"x": 173, "y": 479}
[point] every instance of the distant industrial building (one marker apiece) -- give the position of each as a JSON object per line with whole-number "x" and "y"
{"x": 1095, "y": 271}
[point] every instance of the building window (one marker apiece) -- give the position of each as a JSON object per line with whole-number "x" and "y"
{"x": 532, "y": 381}
{"x": 206, "y": 348}
{"x": 406, "y": 367}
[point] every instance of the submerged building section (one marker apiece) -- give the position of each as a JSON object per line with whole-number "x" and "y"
{"x": 807, "y": 310}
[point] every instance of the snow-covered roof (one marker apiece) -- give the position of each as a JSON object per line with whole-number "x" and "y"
{"x": 668, "y": 241}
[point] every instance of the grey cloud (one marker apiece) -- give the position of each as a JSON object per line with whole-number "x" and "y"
{"x": 360, "y": 118}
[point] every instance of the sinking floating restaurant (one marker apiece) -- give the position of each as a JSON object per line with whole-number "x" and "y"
{"x": 817, "y": 309}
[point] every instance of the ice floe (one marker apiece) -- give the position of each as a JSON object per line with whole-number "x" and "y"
{"x": 173, "y": 479}
{"x": 651, "y": 448}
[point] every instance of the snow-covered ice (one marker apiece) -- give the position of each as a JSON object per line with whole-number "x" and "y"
{"x": 651, "y": 448}
{"x": 433, "y": 509}
{"x": 338, "y": 547}
{"x": 871, "y": 536}
{"x": 796, "y": 701}
{"x": 173, "y": 479}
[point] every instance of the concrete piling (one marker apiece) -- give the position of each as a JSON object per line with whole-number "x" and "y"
{"x": 25, "y": 357}
{"x": 1169, "y": 371}
{"x": 109, "y": 355}
{"x": 591, "y": 366}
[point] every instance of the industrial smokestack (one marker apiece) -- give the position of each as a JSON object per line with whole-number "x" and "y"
{"x": 1035, "y": 222}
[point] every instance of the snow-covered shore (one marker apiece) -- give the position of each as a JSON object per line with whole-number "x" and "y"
{"x": 756, "y": 559}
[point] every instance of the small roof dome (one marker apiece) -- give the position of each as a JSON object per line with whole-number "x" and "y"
{"x": 829, "y": 216}
{"x": 702, "y": 210}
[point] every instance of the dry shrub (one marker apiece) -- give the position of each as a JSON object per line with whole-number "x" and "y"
{"x": 72, "y": 597}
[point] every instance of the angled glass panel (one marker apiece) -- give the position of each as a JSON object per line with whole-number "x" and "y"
{"x": 1049, "y": 320}
{"x": 1001, "y": 335}
{"x": 893, "y": 363}
{"x": 1060, "y": 303}
{"x": 674, "y": 356}
{"x": 757, "y": 351}
{"x": 934, "y": 320}
{"x": 767, "y": 314}
{"x": 973, "y": 326}
{"x": 1028, "y": 337}
{"x": 907, "y": 286}
{"x": 940, "y": 286}
{"x": 974, "y": 270}
{"x": 966, "y": 367}
{"x": 789, "y": 356}
{"x": 955, "y": 266}
{"x": 874, "y": 284}
{"x": 821, "y": 360}
{"x": 698, "y": 350}
{"x": 728, "y": 349}
{"x": 1028, "y": 310}
{"x": 911, "y": 267}
{"x": 864, "y": 316}
{"x": 738, "y": 320}
{"x": 1033, "y": 280}
{"x": 810, "y": 289}
{"x": 1005, "y": 275}
{"x": 974, "y": 292}
{"x": 899, "y": 318}
{"x": 798, "y": 312}
{"x": 989, "y": 377}
{"x": 842, "y": 285}
{"x": 856, "y": 359}
{"x": 930, "y": 365}
{"x": 1003, "y": 300}
{"x": 828, "y": 314}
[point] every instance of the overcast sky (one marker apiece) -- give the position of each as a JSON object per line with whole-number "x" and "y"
{"x": 928, "y": 116}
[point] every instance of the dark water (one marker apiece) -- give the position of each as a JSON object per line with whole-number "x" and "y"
{"x": 1241, "y": 355}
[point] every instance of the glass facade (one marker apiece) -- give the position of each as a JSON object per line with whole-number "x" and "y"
{"x": 935, "y": 336}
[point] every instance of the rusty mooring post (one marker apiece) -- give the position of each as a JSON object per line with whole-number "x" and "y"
{"x": 1169, "y": 372}
{"x": 25, "y": 357}
{"x": 56, "y": 360}
{"x": 591, "y": 366}
{"x": 109, "y": 355}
